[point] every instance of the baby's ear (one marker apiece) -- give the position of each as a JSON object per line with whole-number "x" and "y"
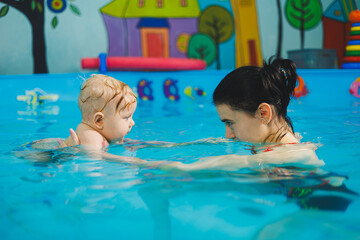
{"x": 99, "y": 120}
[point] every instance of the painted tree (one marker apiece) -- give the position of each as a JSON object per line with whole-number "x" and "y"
{"x": 279, "y": 46}
{"x": 34, "y": 12}
{"x": 216, "y": 22}
{"x": 201, "y": 46}
{"x": 303, "y": 15}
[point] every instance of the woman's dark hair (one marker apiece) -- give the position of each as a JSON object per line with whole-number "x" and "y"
{"x": 246, "y": 87}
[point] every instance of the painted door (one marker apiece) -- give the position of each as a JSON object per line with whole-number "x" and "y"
{"x": 155, "y": 42}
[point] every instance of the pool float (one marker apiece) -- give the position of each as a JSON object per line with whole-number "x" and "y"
{"x": 354, "y": 88}
{"x": 171, "y": 91}
{"x": 198, "y": 92}
{"x": 145, "y": 90}
{"x": 104, "y": 63}
{"x": 301, "y": 90}
{"x": 37, "y": 96}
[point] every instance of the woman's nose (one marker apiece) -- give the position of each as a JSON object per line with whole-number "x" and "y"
{"x": 132, "y": 122}
{"x": 229, "y": 133}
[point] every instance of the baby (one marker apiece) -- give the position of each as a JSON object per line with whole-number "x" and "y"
{"x": 107, "y": 106}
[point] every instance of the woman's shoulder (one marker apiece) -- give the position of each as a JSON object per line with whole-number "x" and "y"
{"x": 294, "y": 154}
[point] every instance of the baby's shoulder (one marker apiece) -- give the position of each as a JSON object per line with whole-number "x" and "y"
{"x": 88, "y": 135}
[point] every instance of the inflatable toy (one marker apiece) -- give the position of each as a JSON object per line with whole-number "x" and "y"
{"x": 145, "y": 90}
{"x": 37, "y": 96}
{"x": 198, "y": 92}
{"x": 171, "y": 91}
{"x": 104, "y": 63}
{"x": 354, "y": 88}
{"x": 301, "y": 90}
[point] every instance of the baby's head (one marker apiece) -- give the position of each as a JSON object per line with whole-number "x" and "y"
{"x": 107, "y": 105}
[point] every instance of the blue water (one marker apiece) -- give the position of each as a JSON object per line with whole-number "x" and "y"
{"x": 76, "y": 197}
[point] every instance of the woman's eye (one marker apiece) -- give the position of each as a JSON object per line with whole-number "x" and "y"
{"x": 229, "y": 123}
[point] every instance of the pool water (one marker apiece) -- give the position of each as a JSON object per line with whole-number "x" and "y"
{"x": 73, "y": 196}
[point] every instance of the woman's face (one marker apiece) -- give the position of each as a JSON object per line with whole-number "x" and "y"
{"x": 240, "y": 125}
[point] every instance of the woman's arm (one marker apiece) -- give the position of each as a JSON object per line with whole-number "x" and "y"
{"x": 297, "y": 155}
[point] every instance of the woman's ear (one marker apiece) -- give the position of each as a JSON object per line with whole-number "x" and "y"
{"x": 99, "y": 120}
{"x": 264, "y": 113}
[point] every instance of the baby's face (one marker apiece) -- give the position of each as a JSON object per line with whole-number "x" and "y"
{"x": 118, "y": 125}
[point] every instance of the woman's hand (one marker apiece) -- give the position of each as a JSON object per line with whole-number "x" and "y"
{"x": 72, "y": 140}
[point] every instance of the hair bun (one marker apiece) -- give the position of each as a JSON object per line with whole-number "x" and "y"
{"x": 280, "y": 74}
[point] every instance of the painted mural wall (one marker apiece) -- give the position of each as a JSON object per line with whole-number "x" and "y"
{"x": 54, "y": 35}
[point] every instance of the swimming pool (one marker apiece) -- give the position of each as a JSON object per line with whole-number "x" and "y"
{"x": 74, "y": 196}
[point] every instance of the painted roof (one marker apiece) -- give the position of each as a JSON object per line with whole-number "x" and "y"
{"x": 170, "y": 9}
{"x": 340, "y": 9}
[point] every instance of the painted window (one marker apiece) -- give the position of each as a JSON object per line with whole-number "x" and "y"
{"x": 141, "y": 3}
{"x": 160, "y": 3}
{"x": 183, "y": 3}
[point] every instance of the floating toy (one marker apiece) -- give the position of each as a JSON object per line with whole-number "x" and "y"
{"x": 354, "y": 88}
{"x": 198, "y": 92}
{"x": 104, "y": 63}
{"x": 37, "y": 96}
{"x": 171, "y": 91}
{"x": 301, "y": 90}
{"x": 145, "y": 90}
{"x": 351, "y": 61}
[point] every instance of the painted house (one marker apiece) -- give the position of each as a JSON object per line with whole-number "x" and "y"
{"x": 336, "y": 26}
{"x": 150, "y": 28}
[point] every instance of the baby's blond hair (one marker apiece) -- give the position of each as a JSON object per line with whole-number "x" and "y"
{"x": 99, "y": 90}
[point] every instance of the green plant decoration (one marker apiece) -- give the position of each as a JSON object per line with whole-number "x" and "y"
{"x": 303, "y": 15}
{"x": 201, "y": 46}
{"x": 216, "y": 22}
